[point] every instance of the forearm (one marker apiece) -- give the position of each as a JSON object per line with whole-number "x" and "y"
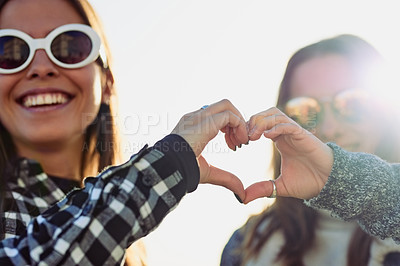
{"x": 96, "y": 224}
{"x": 365, "y": 188}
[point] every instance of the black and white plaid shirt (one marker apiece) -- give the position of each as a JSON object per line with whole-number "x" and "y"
{"x": 94, "y": 225}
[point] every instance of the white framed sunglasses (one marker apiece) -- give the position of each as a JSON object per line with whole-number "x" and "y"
{"x": 68, "y": 46}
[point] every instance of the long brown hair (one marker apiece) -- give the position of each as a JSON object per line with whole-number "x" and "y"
{"x": 290, "y": 216}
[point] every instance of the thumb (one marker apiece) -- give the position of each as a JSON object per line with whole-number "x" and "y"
{"x": 264, "y": 189}
{"x": 226, "y": 179}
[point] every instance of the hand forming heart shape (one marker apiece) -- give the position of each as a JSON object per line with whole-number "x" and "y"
{"x": 305, "y": 160}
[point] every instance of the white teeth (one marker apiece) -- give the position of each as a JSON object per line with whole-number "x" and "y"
{"x": 48, "y": 99}
{"x": 39, "y": 100}
{"x": 44, "y": 99}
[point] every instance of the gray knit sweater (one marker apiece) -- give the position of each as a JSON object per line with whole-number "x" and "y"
{"x": 365, "y": 188}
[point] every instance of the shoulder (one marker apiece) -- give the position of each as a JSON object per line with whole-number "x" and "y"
{"x": 230, "y": 254}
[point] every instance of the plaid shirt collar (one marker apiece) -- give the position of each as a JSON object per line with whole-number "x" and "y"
{"x": 29, "y": 192}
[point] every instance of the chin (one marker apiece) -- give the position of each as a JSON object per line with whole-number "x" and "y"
{"x": 51, "y": 140}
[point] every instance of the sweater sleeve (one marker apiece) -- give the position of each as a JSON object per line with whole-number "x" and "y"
{"x": 94, "y": 225}
{"x": 365, "y": 188}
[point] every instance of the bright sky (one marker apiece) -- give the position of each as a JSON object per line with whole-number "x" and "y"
{"x": 174, "y": 56}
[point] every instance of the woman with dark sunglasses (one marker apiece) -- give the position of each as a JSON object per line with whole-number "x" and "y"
{"x": 57, "y": 108}
{"x": 327, "y": 88}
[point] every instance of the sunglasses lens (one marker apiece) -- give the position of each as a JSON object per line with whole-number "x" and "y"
{"x": 71, "y": 47}
{"x": 13, "y": 52}
{"x": 303, "y": 110}
{"x": 351, "y": 105}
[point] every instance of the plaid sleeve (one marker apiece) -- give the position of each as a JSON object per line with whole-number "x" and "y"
{"x": 94, "y": 225}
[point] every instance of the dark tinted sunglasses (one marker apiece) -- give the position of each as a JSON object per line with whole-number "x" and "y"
{"x": 68, "y": 46}
{"x": 348, "y": 105}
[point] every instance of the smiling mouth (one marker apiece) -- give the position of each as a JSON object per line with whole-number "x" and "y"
{"x": 44, "y": 99}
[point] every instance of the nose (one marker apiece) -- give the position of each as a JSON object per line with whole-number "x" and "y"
{"x": 329, "y": 127}
{"x": 41, "y": 66}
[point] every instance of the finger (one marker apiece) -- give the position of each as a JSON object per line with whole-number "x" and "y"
{"x": 266, "y": 123}
{"x": 236, "y": 124}
{"x": 232, "y": 140}
{"x": 235, "y": 139}
{"x": 227, "y": 137}
{"x": 284, "y": 129}
{"x": 225, "y": 129}
{"x": 264, "y": 189}
{"x": 222, "y": 106}
{"x": 228, "y": 140}
{"x": 226, "y": 179}
{"x": 258, "y": 190}
{"x": 254, "y": 118}
{"x": 198, "y": 129}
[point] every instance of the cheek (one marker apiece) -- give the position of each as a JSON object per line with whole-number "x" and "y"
{"x": 94, "y": 94}
{"x": 361, "y": 129}
{"x": 89, "y": 82}
{"x": 368, "y": 134}
{"x": 7, "y": 83}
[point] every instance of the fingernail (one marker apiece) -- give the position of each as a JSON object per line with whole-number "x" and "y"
{"x": 238, "y": 198}
{"x": 234, "y": 149}
{"x": 247, "y": 143}
{"x": 240, "y": 145}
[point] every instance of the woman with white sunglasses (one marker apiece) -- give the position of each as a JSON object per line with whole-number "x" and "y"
{"x": 57, "y": 101}
{"x": 328, "y": 89}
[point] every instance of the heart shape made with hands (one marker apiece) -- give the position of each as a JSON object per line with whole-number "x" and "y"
{"x": 305, "y": 161}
